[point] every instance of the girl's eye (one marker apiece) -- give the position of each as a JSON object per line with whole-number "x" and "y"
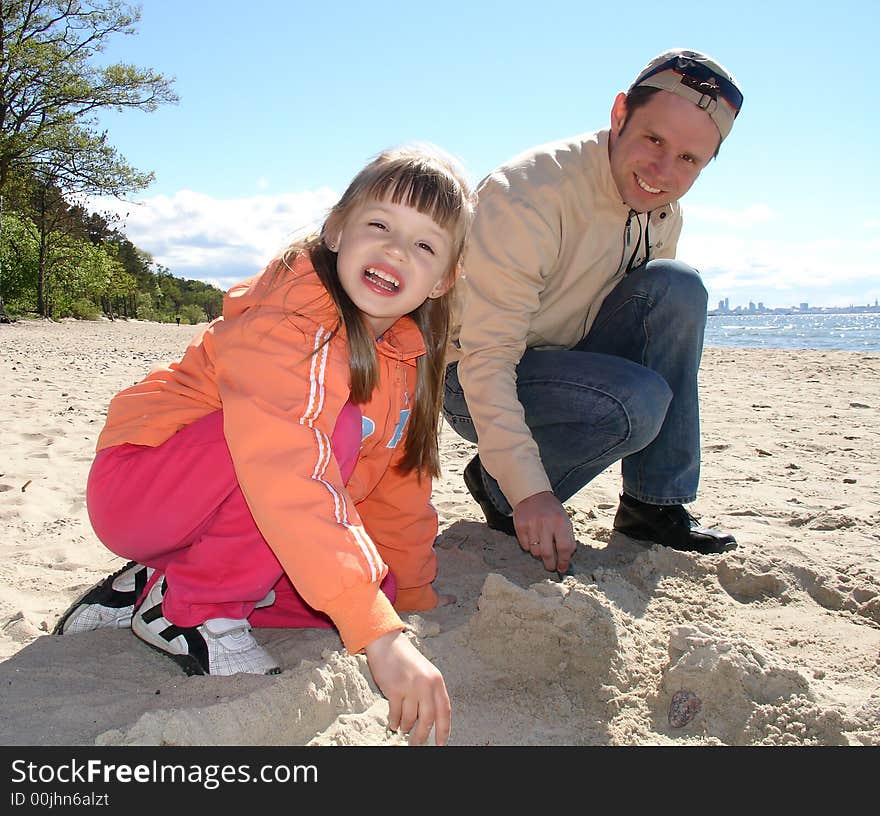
{"x": 377, "y": 224}
{"x": 426, "y": 247}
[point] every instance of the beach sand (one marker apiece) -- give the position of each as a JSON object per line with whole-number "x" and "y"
{"x": 775, "y": 643}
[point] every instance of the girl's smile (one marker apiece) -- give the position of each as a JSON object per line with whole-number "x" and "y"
{"x": 383, "y": 279}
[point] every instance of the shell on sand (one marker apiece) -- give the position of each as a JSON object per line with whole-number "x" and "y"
{"x": 684, "y": 707}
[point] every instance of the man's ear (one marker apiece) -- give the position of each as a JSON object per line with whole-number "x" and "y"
{"x": 442, "y": 287}
{"x": 618, "y": 113}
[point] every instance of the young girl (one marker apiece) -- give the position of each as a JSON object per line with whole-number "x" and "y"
{"x": 279, "y": 474}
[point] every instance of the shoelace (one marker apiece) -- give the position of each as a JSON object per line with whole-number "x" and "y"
{"x": 680, "y": 515}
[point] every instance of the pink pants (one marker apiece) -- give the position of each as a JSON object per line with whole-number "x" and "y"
{"x": 178, "y": 507}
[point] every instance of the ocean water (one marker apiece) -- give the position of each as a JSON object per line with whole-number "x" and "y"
{"x": 823, "y": 332}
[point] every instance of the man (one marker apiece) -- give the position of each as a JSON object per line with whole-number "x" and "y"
{"x": 578, "y": 336}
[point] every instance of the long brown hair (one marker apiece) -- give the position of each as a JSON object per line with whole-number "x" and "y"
{"x": 432, "y": 182}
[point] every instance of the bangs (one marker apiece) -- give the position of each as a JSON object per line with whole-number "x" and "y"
{"x": 423, "y": 186}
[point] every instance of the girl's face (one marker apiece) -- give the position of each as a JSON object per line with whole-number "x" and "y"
{"x": 391, "y": 258}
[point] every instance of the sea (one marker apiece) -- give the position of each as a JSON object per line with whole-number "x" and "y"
{"x": 822, "y": 331}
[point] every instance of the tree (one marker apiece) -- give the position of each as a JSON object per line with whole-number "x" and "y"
{"x": 19, "y": 255}
{"x": 50, "y": 214}
{"x": 58, "y": 218}
{"x": 50, "y": 91}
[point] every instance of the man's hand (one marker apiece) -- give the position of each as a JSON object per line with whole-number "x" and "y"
{"x": 544, "y": 529}
{"x": 416, "y": 693}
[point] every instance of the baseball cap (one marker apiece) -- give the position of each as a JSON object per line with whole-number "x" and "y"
{"x": 697, "y": 77}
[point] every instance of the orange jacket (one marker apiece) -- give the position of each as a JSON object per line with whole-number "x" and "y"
{"x": 280, "y": 403}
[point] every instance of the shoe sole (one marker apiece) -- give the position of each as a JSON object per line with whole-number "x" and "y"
{"x": 191, "y": 667}
{"x": 97, "y": 593}
{"x": 647, "y": 542}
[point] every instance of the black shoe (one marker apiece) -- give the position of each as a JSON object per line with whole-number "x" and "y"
{"x": 473, "y": 480}
{"x": 669, "y": 525}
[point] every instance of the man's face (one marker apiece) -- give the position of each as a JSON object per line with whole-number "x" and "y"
{"x": 659, "y": 149}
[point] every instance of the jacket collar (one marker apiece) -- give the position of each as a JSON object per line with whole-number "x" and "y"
{"x": 403, "y": 341}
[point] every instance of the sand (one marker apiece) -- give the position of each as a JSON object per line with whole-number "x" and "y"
{"x": 775, "y": 643}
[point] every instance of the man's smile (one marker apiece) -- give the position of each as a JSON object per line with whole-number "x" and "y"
{"x": 645, "y": 186}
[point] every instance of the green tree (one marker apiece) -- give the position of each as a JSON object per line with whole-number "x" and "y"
{"x": 81, "y": 273}
{"x": 171, "y": 293}
{"x": 19, "y": 255}
{"x": 53, "y": 224}
{"x": 137, "y": 264}
{"x": 50, "y": 91}
{"x": 192, "y": 313}
{"x": 120, "y": 286}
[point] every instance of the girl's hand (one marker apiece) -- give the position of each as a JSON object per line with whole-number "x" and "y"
{"x": 416, "y": 693}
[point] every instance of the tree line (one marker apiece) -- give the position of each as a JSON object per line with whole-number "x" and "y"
{"x": 60, "y": 260}
{"x": 56, "y": 258}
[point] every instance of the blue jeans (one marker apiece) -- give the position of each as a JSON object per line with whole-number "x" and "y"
{"x": 627, "y": 391}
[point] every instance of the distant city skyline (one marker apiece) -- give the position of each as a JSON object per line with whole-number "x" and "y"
{"x": 723, "y": 307}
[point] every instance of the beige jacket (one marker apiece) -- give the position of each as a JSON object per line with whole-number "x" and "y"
{"x": 549, "y": 243}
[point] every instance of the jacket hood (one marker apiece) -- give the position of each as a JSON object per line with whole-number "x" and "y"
{"x": 289, "y": 286}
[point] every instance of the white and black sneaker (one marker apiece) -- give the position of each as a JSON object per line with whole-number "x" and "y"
{"x": 220, "y": 646}
{"x": 109, "y": 604}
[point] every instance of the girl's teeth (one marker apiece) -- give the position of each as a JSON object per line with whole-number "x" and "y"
{"x": 378, "y": 273}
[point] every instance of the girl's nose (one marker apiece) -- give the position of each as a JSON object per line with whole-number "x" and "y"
{"x": 394, "y": 247}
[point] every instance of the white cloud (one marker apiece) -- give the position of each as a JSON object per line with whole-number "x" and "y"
{"x": 216, "y": 240}
{"x": 780, "y": 272}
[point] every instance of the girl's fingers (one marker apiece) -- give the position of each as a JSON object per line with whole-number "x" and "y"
{"x": 443, "y": 717}
{"x": 394, "y": 712}
{"x": 409, "y": 714}
{"x": 423, "y": 726}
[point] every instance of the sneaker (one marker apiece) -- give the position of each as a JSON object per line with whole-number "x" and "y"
{"x": 473, "y": 480}
{"x": 220, "y": 646}
{"x": 107, "y": 605}
{"x": 670, "y": 526}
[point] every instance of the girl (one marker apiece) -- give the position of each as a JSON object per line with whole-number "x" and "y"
{"x": 279, "y": 474}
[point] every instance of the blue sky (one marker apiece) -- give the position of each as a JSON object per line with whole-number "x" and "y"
{"x": 282, "y": 102}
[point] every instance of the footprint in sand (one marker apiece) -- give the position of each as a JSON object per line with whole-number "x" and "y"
{"x": 37, "y": 437}
{"x": 752, "y": 581}
{"x": 832, "y": 592}
{"x": 822, "y": 521}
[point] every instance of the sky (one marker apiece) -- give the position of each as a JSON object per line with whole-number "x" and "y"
{"x": 282, "y": 102}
